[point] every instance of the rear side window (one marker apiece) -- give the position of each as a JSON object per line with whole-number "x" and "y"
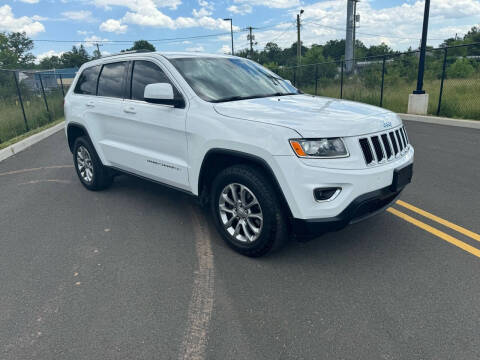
{"x": 110, "y": 83}
{"x": 144, "y": 73}
{"x": 87, "y": 82}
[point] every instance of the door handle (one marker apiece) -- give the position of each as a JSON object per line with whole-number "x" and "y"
{"x": 129, "y": 110}
{"x": 90, "y": 104}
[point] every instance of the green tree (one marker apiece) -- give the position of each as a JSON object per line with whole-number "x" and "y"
{"x": 15, "y": 50}
{"x": 141, "y": 45}
{"x": 334, "y": 49}
{"x": 52, "y": 62}
{"x": 75, "y": 57}
{"x": 314, "y": 55}
{"x": 378, "y": 50}
{"x": 461, "y": 68}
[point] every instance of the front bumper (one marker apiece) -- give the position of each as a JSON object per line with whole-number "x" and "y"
{"x": 361, "y": 208}
{"x": 298, "y": 180}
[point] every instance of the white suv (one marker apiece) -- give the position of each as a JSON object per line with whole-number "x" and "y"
{"x": 268, "y": 159}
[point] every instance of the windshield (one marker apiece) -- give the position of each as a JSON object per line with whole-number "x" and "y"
{"x": 229, "y": 79}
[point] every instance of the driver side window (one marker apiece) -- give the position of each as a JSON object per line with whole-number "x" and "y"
{"x": 144, "y": 73}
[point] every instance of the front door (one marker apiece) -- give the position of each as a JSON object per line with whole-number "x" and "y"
{"x": 149, "y": 139}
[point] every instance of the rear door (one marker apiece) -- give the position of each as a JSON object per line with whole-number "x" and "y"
{"x": 80, "y": 101}
{"x": 107, "y": 110}
{"x": 149, "y": 139}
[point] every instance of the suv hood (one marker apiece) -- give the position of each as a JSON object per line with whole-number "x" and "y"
{"x": 312, "y": 116}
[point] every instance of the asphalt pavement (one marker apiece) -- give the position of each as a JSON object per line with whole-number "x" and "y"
{"x": 139, "y": 272}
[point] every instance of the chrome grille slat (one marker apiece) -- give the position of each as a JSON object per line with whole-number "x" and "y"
{"x": 400, "y": 143}
{"x": 394, "y": 142}
{"x": 384, "y": 147}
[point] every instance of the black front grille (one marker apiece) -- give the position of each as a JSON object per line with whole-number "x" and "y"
{"x": 384, "y": 147}
{"x": 367, "y": 151}
{"x": 377, "y": 147}
{"x": 394, "y": 143}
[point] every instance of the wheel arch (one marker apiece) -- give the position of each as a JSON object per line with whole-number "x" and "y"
{"x": 75, "y": 130}
{"x": 218, "y": 159}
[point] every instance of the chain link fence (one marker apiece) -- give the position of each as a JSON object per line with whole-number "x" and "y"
{"x": 452, "y": 80}
{"x": 31, "y": 99}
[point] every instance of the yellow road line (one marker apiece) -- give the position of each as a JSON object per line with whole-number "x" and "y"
{"x": 454, "y": 241}
{"x": 444, "y": 222}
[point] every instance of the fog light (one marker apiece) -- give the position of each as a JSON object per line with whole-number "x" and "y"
{"x": 326, "y": 194}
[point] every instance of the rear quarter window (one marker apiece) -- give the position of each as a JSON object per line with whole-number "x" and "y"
{"x": 87, "y": 82}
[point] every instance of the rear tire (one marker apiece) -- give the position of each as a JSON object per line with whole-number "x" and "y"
{"x": 90, "y": 170}
{"x": 247, "y": 211}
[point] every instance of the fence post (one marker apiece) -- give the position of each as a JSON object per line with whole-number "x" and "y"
{"x": 316, "y": 79}
{"x": 383, "y": 80}
{"x": 45, "y": 97}
{"x": 61, "y": 84}
{"x": 443, "y": 79}
{"x": 20, "y": 99}
{"x": 295, "y": 77}
{"x": 341, "y": 80}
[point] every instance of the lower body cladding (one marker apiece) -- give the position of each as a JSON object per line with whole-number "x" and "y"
{"x": 349, "y": 196}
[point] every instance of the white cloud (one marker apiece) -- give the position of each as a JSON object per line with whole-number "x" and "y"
{"x": 83, "y": 32}
{"x": 39, "y": 18}
{"x": 195, "y": 49}
{"x": 225, "y": 49}
{"x": 47, "y": 54}
{"x": 277, "y": 4}
{"x": 200, "y": 13}
{"x": 241, "y": 9}
{"x": 115, "y": 26}
{"x": 138, "y": 4}
{"x": 147, "y": 13}
{"x": 81, "y": 15}
{"x": 8, "y": 22}
{"x": 30, "y": 1}
{"x": 91, "y": 40}
{"x": 398, "y": 26}
{"x": 206, "y": 4}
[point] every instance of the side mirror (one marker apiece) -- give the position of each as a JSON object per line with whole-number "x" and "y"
{"x": 161, "y": 93}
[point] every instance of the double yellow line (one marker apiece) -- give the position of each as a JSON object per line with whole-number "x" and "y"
{"x": 452, "y": 240}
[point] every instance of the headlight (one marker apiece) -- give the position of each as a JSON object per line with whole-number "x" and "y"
{"x": 323, "y": 148}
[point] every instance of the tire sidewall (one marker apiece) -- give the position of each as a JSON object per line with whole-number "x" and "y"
{"x": 81, "y": 141}
{"x": 267, "y": 205}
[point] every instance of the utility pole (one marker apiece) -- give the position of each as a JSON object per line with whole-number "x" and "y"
{"x": 299, "y": 44}
{"x": 231, "y": 31}
{"x": 251, "y": 37}
{"x": 354, "y": 27}
{"x": 349, "y": 38}
{"x": 423, "y": 48}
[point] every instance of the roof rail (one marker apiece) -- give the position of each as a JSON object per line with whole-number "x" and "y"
{"x": 128, "y": 52}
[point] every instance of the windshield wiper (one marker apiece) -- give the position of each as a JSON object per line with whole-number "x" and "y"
{"x": 235, "y": 98}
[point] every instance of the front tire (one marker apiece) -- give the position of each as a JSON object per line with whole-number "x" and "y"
{"x": 247, "y": 211}
{"x": 90, "y": 170}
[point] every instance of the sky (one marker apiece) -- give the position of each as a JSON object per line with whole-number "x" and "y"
{"x": 115, "y": 24}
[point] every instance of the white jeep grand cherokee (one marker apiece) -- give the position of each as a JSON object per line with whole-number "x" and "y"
{"x": 268, "y": 159}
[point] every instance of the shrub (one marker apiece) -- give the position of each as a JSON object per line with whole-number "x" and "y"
{"x": 461, "y": 68}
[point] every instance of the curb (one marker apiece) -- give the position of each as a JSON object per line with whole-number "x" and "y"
{"x": 29, "y": 141}
{"x": 472, "y": 124}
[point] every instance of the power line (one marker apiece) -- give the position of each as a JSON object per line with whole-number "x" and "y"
{"x": 131, "y": 41}
{"x": 364, "y": 33}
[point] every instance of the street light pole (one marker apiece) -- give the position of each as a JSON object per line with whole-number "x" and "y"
{"x": 423, "y": 48}
{"x": 231, "y": 31}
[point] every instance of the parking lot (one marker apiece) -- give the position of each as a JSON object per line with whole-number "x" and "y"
{"x": 139, "y": 272}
